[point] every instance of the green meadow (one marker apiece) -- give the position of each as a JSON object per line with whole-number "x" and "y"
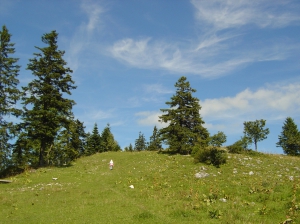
{"x": 258, "y": 188}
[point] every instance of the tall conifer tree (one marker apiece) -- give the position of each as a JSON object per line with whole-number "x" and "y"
{"x": 46, "y": 109}
{"x": 94, "y": 141}
{"x": 155, "y": 141}
{"x": 108, "y": 142}
{"x": 9, "y": 94}
{"x": 185, "y": 125}
{"x": 289, "y": 139}
{"x": 140, "y": 143}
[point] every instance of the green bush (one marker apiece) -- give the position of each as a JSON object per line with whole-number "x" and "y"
{"x": 211, "y": 155}
{"x": 240, "y": 146}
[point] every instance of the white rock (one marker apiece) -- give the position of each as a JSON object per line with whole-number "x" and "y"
{"x": 251, "y": 173}
{"x": 131, "y": 186}
{"x": 201, "y": 175}
{"x": 54, "y": 178}
{"x": 223, "y": 199}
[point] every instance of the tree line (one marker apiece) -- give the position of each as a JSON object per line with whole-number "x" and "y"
{"x": 49, "y": 134}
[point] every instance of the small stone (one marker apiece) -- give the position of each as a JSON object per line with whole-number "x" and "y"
{"x": 201, "y": 175}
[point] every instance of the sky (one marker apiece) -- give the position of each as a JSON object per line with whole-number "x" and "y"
{"x": 242, "y": 57}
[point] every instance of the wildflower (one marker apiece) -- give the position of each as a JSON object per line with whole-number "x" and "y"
{"x": 251, "y": 173}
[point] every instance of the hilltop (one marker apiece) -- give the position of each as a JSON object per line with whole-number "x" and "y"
{"x": 247, "y": 189}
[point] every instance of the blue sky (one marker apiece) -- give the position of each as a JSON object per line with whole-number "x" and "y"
{"x": 242, "y": 57}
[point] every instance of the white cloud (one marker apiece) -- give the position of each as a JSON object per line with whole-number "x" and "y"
{"x": 150, "y": 118}
{"x": 93, "y": 11}
{"x": 96, "y": 115}
{"x": 223, "y": 14}
{"x": 214, "y": 54}
{"x": 271, "y": 102}
{"x": 83, "y": 36}
{"x": 208, "y": 59}
{"x": 157, "y": 89}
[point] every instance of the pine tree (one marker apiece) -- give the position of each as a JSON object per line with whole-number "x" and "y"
{"x": 94, "y": 141}
{"x": 108, "y": 143}
{"x": 140, "y": 143}
{"x": 9, "y": 94}
{"x": 255, "y": 131}
{"x": 155, "y": 142}
{"x": 130, "y": 148}
{"x": 69, "y": 144}
{"x": 289, "y": 139}
{"x": 46, "y": 109}
{"x": 185, "y": 125}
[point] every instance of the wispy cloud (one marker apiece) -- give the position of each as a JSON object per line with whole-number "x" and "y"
{"x": 214, "y": 54}
{"x": 143, "y": 53}
{"x": 224, "y": 14}
{"x": 157, "y": 89}
{"x": 83, "y": 36}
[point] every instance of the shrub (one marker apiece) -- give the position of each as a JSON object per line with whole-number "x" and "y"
{"x": 239, "y": 146}
{"x": 211, "y": 155}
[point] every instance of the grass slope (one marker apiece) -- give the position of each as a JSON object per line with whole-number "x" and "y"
{"x": 248, "y": 189}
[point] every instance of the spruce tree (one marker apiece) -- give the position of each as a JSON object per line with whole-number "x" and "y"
{"x": 9, "y": 94}
{"x": 155, "y": 142}
{"x": 70, "y": 144}
{"x": 94, "y": 141}
{"x": 185, "y": 125}
{"x": 46, "y": 109}
{"x": 289, "y": 139}
{"x": 130, "y": 148}
{"x": 108, "y": 143}
{"x": 140, "y": 143}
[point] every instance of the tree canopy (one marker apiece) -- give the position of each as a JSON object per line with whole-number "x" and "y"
{"x": 155, "y": 141}
{"x": 255, "y": 131}
{"x": 185, "y": 125}
{"x": 9, "y": 94}
{"x": 289, "y": 139}
{"x": 46, "y": 109}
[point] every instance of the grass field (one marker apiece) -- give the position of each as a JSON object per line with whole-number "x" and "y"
{"x": 248, "y": 189}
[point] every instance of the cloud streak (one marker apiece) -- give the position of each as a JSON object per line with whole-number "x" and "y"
{"x": 144, "y": 53}
{"x": 82, "y": 38}
{"x": 213, "y": 54}
{"x": 225, "y": 14}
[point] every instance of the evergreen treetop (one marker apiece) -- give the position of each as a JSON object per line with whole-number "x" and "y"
{"x": 289, "y": 139}
{"x": 46, "y": 109}
{"x": 185, "y": 125}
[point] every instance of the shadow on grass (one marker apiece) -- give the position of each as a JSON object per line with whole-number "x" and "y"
{"x": 14, "y": 170}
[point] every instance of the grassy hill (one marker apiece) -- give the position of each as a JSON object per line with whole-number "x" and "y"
{"x": 248, "y": 189}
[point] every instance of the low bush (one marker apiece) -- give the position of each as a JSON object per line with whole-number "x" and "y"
{"x": 211, "y": 155}
{"x": 240, "y": 146}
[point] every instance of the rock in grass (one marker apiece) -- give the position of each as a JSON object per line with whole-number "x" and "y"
{"x": 201, "y": 174}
